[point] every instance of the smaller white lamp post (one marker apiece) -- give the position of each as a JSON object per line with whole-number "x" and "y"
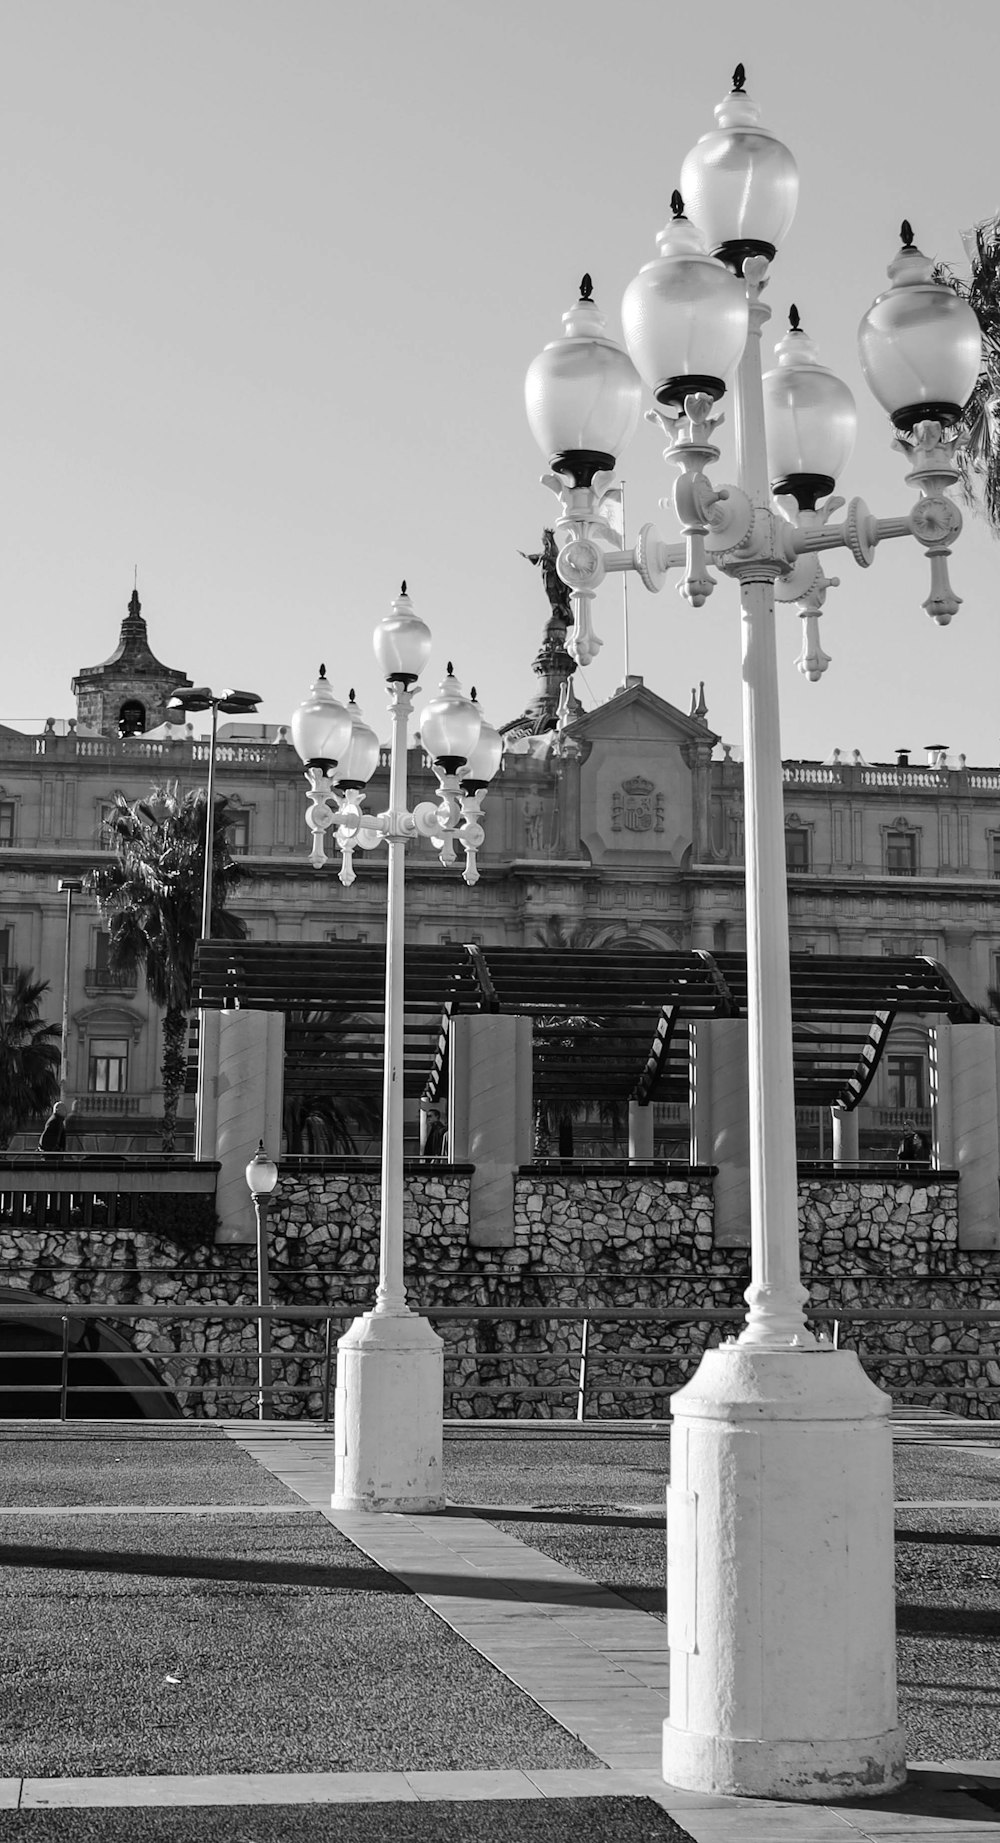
{"x": 262, "y": 1176}
{"x": 390, "y": 1372}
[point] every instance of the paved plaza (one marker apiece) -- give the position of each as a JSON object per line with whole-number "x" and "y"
{"x": 196, "y": 1645}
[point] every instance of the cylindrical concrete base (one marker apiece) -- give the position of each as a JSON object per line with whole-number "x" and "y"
{"x": 389, "y": 1410}
{"x": 780, "y": 1606}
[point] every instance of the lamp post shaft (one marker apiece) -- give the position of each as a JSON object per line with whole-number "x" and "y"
{"x": 64, "y": 1041}
{"x": 206, "y": 880}
{"x": 264, "y": 1368}
{"x": 775, "y": 1296}
{"x": 390, "y": 1297}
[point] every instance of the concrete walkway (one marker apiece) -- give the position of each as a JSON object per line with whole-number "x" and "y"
{"x": 589, "y": 1659}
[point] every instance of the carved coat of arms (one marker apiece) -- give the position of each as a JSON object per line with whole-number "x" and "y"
{"x": 636, "y": 806}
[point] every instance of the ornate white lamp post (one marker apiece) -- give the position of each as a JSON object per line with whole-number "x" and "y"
{"x": 780, "y": 1506}
{"x": 389, "y": 1394}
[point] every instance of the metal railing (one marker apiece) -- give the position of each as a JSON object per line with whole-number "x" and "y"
{"x": 588, "y": 1317}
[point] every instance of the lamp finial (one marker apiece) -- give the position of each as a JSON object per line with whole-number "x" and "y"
{"x": 322, "y": 671}
{"x": 402, "y": 587}
{"x": 906, "y": 234}
{"x": 793, "y": 318}
{"x": 676, "y": 203}
{"x": 451, "y": 670}
{"x": 586, "y": 288}
{"x": 739, "y": 77}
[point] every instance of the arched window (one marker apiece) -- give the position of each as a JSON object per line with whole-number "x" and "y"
{"x": 131, "y": 718}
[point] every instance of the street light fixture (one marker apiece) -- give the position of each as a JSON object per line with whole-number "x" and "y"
{"x": 70, "y": 887}
{"x": 780, "y": 1506}
{"x": 389, "y": 1396}
{"x": 262, "y": 1176}
{"x": 234, "y": 703}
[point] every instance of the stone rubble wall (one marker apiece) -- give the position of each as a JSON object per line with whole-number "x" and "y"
{"x": 622, "y": 1241}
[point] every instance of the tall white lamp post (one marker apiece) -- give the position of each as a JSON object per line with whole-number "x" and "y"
{"x": 233, "y": 703}
{"x": 780, "y": 1505}
{"x": 389, "y": 1395}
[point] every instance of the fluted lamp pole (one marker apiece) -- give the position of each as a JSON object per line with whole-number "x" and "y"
{"x": 780, "y": 1503}
{"x": 262, "y": 1177}
{"x": 390, "y": 1377}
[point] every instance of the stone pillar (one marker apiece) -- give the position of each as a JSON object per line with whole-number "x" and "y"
{"x": 248, "y": 1098}
{"x": 942, "y": 1109}
{"x": 207, "y": 1116}
{"x": 720, "y": 1122}
{"x": 845, "y": 1135}
{"x": 977, "y": 1149}
{"x": 489, "y": 1116}
{"x": 640, "y": 1134}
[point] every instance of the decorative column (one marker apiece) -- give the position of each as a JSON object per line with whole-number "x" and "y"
{"x": 720, "y": 1122}
{"x": 845, "y": 1135}
{"x": 640, "y": 1134}
{"x": 977, "y": 1155}
{"x": 942, "y": 1095}
{"x": 489, "y": 1116}
{"x": 248, "y": 1109}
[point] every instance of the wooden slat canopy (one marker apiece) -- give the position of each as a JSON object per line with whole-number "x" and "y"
{"x": 608, "y": 1023}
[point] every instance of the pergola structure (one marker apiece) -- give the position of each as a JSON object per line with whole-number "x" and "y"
{"x": 609, "y": 1023}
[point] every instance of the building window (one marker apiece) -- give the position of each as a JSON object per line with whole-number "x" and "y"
{"x": 907, "y": 1086}
{"x": 7, "y": 818}
{"x": 100, "y": 977}
{"x": 6, "y": 955}
{"x": 108, "y": 1065}
{"x": 238, "y": 834}
{"x": 901, "y": 854}
{"x": 796, "y": 848}
{"x": 994, "y": 852}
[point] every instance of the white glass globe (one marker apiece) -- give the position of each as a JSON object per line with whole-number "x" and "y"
{"x": 809, "y": 417}
{"x": 321, "y": 727}
{"x": 582, "y": 395}
{"x": 482, "y": 764}
{"x": 920, "y": 345}
{"x": 360, "y": 758}
{"x": 685, "y": 316}
{"x": 740, "y": 182}
{"x": 450, "y": 725}
{"x": 402, "y": 641}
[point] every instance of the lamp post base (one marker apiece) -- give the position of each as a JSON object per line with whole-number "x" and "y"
{"x": 389, "y": 1415}
{"x": 780, "y": 1601}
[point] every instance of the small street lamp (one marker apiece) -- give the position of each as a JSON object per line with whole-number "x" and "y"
{"x": 262, "y": 1176}
{"x": 389, "y": 1397}
{"x": 233, "y": 703}
{"x": 780, "y": 1506}
{"x": 70, "y": 887}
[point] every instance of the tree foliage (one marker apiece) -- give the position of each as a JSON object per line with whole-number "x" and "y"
{"x": 979, "y": 456}
{"x": 150, "y": 897}
{"x": 29, "y": 1053}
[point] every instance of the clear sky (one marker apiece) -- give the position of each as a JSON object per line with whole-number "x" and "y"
{"x": 273, "y": 271}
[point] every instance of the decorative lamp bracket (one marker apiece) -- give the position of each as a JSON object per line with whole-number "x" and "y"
{"x": 935, "y": 520}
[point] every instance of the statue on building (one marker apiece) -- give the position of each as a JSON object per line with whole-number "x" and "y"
{"x": 552, "y": 662}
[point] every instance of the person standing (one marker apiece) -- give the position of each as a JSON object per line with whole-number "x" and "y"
{"x": 53, "y": 1134}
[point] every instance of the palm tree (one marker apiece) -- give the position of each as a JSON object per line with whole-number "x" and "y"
{"x": 150, "y": 898}
{"x": 319, "y": 1046}
{"x": 29, "y": 1053}
{"x": 562, "y": 1034}
{"x": 979, "y": 457}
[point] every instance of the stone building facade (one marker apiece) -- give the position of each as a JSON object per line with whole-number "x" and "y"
{"x": 628, "y": 818}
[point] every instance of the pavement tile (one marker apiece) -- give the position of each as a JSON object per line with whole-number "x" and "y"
{"x": 218, "y": 1789}
{"x": 462, "y": 1787}
{"x": 10, "y": 1793}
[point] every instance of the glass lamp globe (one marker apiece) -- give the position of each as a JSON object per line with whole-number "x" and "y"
{"x": 261, "y": 1173}
{"x": 360, "y": 758}
{"x": 482, "y": 764}
{"x": 402, "y": 642}
{"x": 741, "y": 183}
{"x": 321, "y": 727}
{"x": 685, "y": 316}
{"x": 582, "y": 395}
{"x": 810, "y": 420}
{"x": 450, "y": 725}
{"x": 920, "y": 345}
